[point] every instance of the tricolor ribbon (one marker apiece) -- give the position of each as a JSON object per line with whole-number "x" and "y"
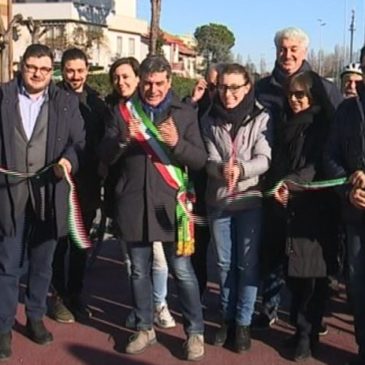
{"x": 74, "y": 218}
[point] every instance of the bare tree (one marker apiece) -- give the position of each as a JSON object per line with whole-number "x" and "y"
{"x": 154, "y": 25}
{"x": 5, "y": 39}
{"x": 36, "y": 29}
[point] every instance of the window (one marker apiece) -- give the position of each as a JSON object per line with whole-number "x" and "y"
{"x": 132, "y": 47}
{"x": 119, "y": 46}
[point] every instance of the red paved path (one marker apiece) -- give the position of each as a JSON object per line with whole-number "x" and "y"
{"x": 101, "y": 340}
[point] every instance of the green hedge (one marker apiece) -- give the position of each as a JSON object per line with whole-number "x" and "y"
{"x": 182, "y": 86}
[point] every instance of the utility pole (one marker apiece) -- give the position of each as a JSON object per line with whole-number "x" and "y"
{"x": 320, "y": 53}
{"x": 352, "y": 30}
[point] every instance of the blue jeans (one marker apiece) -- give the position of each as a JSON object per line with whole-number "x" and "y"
{"x": 356, "y": 263}
{"x": 160, "y": 275}
{"x": 141, "y": 254}
{"x": 236, "y": 239}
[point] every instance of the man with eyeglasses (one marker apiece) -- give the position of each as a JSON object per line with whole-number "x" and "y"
{"x": 42, "y": 134}
{"x": 68, "y": 304}
{"x": 346, "y": 157}
{"x": 291, "y": 51}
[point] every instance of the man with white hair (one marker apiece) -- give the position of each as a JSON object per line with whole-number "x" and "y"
{"x": 291, "y": 51}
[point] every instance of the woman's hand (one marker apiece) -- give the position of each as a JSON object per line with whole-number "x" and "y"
{"x": 281, "y": 194}
{"x": 231, "y": 173}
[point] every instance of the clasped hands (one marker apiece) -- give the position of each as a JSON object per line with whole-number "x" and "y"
{"x": 231, "y": 173}
{"x": 357, "y": 193}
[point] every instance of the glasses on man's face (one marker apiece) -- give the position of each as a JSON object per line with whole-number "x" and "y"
{"x": 234, "y": 89}
{"x": 33, "y": 69}
{"x": 298, "y": 94}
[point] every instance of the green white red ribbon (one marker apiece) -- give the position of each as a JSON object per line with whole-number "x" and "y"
{"x": 74, "y": 218}
{"x": 150, "y": 140}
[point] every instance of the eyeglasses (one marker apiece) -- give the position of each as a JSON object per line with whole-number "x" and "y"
{"x": 298, "y": 94}
{"x": 234, "y": 89}
{"x": 33, "y": 69}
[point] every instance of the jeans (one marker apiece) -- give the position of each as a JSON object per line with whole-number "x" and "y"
{"x": 236, "y": 240}
{"x": 141, "y": 255}
{"x": 356, "y": 264}
{"x": 160, "y": 273}
{"x": 31, "y": 247}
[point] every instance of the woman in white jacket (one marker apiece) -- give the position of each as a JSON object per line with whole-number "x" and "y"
{"x": 237, "y": 136}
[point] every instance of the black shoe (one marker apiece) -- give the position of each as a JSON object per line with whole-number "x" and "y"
{"x": 221, "y": 335}
{"x": 302, "y": 351}
{"x": 38, "y": 333}
{"x": 79, "y": 309}
{"x": 262, "y": 321}
{"x": 357, "y": 361}
{"x": 242, "y": 341}
{"x": 5, "y": 346}
{"x": 291, "y": 342}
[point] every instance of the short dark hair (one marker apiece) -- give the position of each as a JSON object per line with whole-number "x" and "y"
{"x": 73, "y": 54}
{"x": 362, "y": 54}
{"x": 37, "y": 50}
{"x": 131, "y": 61}
{"x": 234, "y": 68}
{"x": 304, "y": 80}
{"x": 152, "y": 64}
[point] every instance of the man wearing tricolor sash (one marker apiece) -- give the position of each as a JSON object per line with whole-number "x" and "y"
{"x": 157, "y": 139}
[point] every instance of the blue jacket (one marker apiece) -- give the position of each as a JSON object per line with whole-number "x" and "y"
{"x": 66, "y": 138}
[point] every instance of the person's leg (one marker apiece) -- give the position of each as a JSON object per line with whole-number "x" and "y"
{"x": 356, "y": 266}
{"x": 189, "y": 298}
{"x": 58, "y": 267}
{"x": 223, "y": 241}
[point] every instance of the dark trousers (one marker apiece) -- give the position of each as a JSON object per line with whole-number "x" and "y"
{"x": 309, "y": 297}
{"x": 199, "y": 258}
{"x": 32, "y": 247}
{"x": 69, "y": 264}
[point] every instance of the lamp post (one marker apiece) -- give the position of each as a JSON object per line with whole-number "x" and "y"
{"x": 320, "y": 61}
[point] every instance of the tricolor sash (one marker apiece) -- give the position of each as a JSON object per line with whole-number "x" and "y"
{"x": 150, "y": 140}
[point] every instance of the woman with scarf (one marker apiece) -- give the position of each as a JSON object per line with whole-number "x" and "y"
{"x": 124, "y": 78}
{"x": 311, "y": 234}
{"x": 237, "y": 136}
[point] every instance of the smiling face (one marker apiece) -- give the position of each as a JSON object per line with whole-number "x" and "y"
{"x": 36, "y": 73}
{"x": 298, "y": 99}
{"x": 75, "y": 74}
{"x": 232, "y": 88}
{"x": 290, "y": 55}
{"x": 125, "y": 81}
{"x": 154, "y": 87}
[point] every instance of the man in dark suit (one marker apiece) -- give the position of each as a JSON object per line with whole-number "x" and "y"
{"x": 146, "y": 202}
{"x": 40, "y": 126}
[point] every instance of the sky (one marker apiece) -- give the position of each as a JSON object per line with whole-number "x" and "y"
{"x": 254, "y": 22}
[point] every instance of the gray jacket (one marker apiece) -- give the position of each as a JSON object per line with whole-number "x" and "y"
{"x": 252, "y": 145}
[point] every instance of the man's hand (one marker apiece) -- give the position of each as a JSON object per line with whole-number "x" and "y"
{"x": 132, "y": 129}
{"x": 168, "y": 132}
{"x": 199, "y": 90}
{"x": 281, "y": 195}
{"x": 357, "y": 179}
{"x": 357, "y": 198}
{"x": 58, "y": 169}
{"x": 231, "y": 173}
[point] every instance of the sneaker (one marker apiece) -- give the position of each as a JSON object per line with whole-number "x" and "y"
{"x": 5, "y": 346}
{"x": 140, "y": 341}
{"x": 60, "y": 312}
{"x": 242, "y": 339}
{"x": 323, "y": 329}
{"x": 79, "y": 309}
{"x": 194, "y": 347}
{"x": 262, "y": 321}
{"x": 163, "y": 317}
{"x": 37, "y": 332}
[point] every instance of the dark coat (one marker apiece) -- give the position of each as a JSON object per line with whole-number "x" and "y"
{"x": 345, "y": 151}
{"x": 93, "y": 111}
{"x": 310, "y": 238}
{"x": 66, "y": 138}
{"x": 145, "y": 203}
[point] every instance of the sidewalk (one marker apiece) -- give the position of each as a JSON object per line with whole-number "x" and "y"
{"x": 101, "y": 340}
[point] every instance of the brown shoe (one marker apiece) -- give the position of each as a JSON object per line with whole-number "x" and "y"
{"x": 60, "y": 312}
{"x": 194, "y": 347}
{"x": 140, "y": 341}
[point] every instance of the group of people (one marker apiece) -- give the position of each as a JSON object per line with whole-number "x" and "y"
{"x": 256, "y": 154}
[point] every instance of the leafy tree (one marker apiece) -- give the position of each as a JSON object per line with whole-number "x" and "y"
{"x": 214, "y": 42}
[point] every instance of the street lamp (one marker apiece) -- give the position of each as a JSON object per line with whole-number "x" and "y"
{"x": 321, "y": 24}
